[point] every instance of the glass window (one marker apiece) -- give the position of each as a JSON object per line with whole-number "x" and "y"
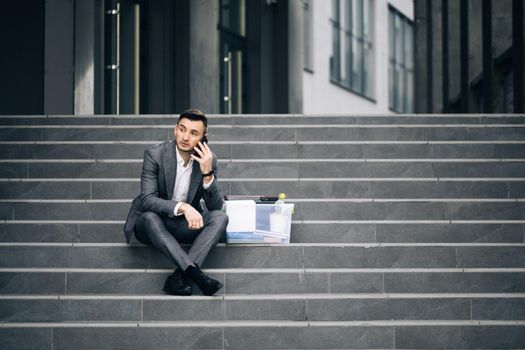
{"x": 401, "y": 62}
{"x": 308, "y": 43}
{"x": 352, "y": 61}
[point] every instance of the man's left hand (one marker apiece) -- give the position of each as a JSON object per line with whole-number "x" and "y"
{"x": 206, "y": 157}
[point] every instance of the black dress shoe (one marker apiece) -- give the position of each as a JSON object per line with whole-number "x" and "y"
{"x": 177, "y": 284}
{"x": 207, "y": 285}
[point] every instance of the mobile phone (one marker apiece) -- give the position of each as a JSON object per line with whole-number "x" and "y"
{"x": 203, "y": 140}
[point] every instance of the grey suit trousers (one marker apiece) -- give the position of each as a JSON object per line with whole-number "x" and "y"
{"x": 167, "y": 233}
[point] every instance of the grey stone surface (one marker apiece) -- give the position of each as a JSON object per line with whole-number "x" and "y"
{"x": 70, "y": 211}
{"x": 269, "y": 151}
{"x": 491, "y": 256}
{"x": 479, "y": 169}
{"x": 486, "y": 211}
{"x": 87, "y": 151}
{"x": 297, "y": 189}
{"x": 102, "y": 233}
{"x": 15, "y": 134}
{"x": 56, "y": 120}
{"x": 450, "y": 233}
{"x": 379, "y": 257}
{"x": 510, "y": 151}
{"x": 360, "y": 134}
{"x": 308, "y": 338}
{"x": 183, "y": 310}
{"x": 107, "y": 134}
{"x": 373, "y": 211}
{"x": 357, "y": 169}
{"x": 252, "y": 134}
{"x": 69, "y": 310}
{"x": 243, "y": 257}
{"x": 67, "y": 233}
{"x": 13, "y": 170}
{"x": 460, "y": 337}
{"x": 26, "y": 338}
{"x": 32, "y": 283}
{"x": 45, "y": 190}
{"x": 123, "y": 283}
{"x": 482, "y": 134}
{"x": 81, "y": 257}
{"x": 356, "y": 283}
{"x": 441, "y": 189}
{"x": 254, "y": 257}
{"x": 6, "y": 211}
{"x": 276, "y": 283}
{"x": 498, "y": 309}
{"x": 257, "y": 169}
{"x": 332, "y": 233}
{"x": 388, "y": 309}
{"x": 137, "y": 338}
{"x": 115, "y": 283}
{"x": 455, "y": 282}
{"x": 85, "y": 170}
{"x": 517, "y": 189}
{"x": 115, "y": 190}
{"x": 409, "y": 211}
{"x": 275, "y": 310}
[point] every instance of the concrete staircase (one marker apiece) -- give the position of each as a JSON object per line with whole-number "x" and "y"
{"x": 408, "y": 234}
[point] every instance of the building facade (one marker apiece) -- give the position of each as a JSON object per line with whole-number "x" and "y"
{"x": 87, "y": 57}
{"x": 470, "y": 56}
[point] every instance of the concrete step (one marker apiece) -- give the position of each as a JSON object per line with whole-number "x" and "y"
{"x": 317, "y": 307}
{"x": 357, "y": 210}
{"x": 294, "y": 188}
{"x": 274, "y": 168}
{"x": 270, "y": 282}
{"x": 283, "y": 150}
{"x": 310, "y": 256}
{"x": 268, "y": 335}
{"x": 276, "y": 119}
{"x": 305, "y": 132}
{"x": 302, "y": 232}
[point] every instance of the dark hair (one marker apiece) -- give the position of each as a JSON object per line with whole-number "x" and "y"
{"x": 195, "y": 115}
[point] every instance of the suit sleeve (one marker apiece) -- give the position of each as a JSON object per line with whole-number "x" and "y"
{"x": 149, "y": 189}
{"x": 212, "y": 195}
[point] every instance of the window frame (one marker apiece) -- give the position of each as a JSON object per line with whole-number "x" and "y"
{"x": 359, "y": 78}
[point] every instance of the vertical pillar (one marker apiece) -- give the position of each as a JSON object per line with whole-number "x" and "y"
{"x": 464, "y": 59}
{"x": 518, "y": 55}
{"x": 204, "y": 56}
{"x": 58, "y": 57}
{"x": 430, "y": 90}
{"x": 487, "y": 56}
{"x": 84, "y": 57}
{"x": 295, "y": 56}
{"x": 444, "y": 52}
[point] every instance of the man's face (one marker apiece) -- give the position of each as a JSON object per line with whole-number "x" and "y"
{"x": 188, "y": 133}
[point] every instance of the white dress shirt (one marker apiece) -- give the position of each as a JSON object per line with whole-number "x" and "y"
{"x": 182, "y": 182}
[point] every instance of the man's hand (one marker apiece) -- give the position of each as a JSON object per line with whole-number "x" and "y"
{"x": 193, "y": 217}
{"x": 205, "y": 159}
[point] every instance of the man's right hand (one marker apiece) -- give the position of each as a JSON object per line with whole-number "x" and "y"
{"x": 193, "y": 217}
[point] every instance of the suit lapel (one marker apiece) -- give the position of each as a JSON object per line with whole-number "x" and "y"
{"x": 196, "y": 178}
{"x": 170, "y": 167}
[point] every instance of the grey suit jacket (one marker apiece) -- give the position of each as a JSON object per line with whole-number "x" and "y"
{"x": 159, "y": 170}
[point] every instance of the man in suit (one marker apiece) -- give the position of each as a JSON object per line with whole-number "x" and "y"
{"x": 176, "y": 175}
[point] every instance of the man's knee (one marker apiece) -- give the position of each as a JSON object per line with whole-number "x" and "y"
{"x": 150, "y": 218}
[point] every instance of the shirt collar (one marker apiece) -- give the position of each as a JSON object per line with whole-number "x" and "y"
{"x": 180, "y": 160}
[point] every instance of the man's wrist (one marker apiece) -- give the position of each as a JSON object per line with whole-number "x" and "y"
{"x": 208, "y": 174}
{"x": 180, "y": 208}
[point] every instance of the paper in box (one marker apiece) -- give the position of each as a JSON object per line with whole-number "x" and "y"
{"x": 251, "y": 222}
